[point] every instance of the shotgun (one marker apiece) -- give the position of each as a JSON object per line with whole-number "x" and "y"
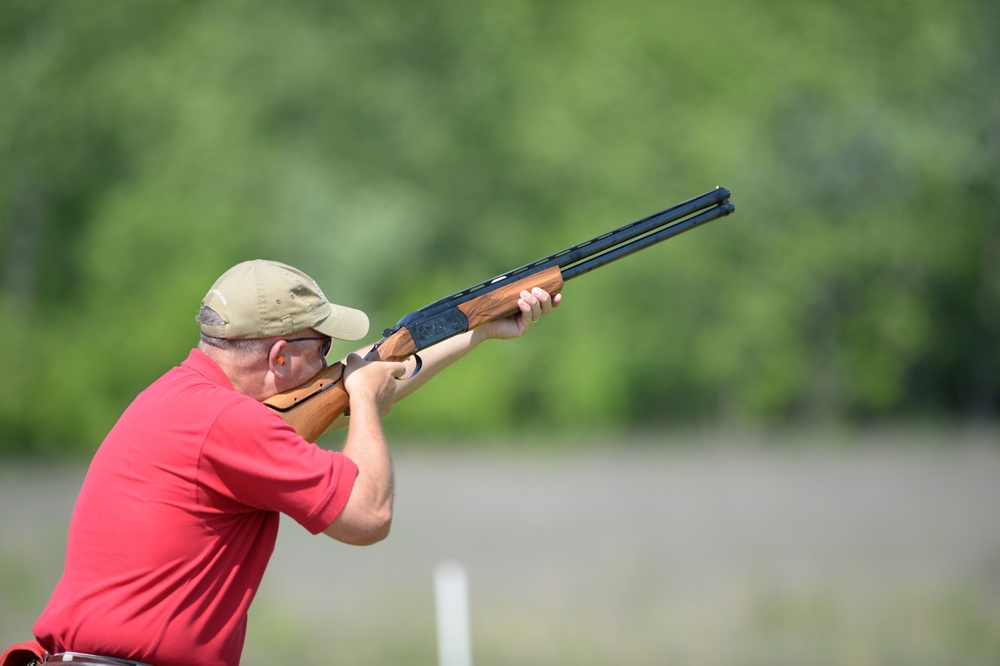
{"x": 313, "y": 406}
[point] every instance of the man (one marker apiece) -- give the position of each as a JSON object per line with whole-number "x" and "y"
{"x": 178, "y": 515}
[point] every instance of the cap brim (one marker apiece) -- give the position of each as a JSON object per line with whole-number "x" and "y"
{"x": 344, "y": 323}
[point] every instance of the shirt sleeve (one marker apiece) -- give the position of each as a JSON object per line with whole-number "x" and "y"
{"x": 255, "y": 459}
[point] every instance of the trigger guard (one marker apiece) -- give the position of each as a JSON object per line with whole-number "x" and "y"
{"x": 416, "y": 368}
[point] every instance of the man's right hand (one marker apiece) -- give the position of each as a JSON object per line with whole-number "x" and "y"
{"x": 372, "y": 383}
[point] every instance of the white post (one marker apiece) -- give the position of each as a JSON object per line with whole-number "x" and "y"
{"x": 452, "y": 598}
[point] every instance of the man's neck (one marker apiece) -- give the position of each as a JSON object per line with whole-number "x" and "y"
{"x": 247, "y": 376}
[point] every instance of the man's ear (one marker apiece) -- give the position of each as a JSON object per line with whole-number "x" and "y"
{"x": 276, "y": 360}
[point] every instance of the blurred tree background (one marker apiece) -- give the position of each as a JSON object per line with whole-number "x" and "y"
{"x": 401, "y": 152}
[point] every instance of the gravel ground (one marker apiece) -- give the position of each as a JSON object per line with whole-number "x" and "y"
{"x": 718, "y": 551}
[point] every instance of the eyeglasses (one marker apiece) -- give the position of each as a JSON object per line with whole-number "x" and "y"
{"x": 324, "y": 348}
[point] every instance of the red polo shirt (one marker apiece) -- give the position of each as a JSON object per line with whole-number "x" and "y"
{"x": 177, "y": 519}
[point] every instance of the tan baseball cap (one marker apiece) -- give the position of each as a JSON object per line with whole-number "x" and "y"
{"x": 263, "y": 299}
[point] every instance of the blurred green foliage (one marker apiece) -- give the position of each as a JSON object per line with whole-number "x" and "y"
{"x": 399, "y": 153}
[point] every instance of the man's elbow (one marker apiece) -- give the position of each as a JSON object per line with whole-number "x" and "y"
{"x": 362, "y": 530}
{"x": 376, "y": 529}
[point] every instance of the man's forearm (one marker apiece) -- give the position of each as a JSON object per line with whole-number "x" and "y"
{"x": 436, "y": 358}
{"x": 531, "y": 305}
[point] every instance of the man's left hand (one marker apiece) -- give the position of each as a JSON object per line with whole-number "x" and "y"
{"x": 533, "y": 305}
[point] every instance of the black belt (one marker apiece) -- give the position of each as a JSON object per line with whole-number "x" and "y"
{"x": 90, "y": 660}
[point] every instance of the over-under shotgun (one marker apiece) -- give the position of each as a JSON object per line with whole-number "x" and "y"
{"x": 313, "y": 406}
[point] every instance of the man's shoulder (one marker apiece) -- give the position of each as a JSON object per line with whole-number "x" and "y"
{"x": 193, "y": 390}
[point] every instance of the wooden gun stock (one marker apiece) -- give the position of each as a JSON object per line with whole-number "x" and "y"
{"x": 312, "y": 407}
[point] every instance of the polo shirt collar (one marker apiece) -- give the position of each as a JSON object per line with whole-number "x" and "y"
{"x": 205, "y": 366}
